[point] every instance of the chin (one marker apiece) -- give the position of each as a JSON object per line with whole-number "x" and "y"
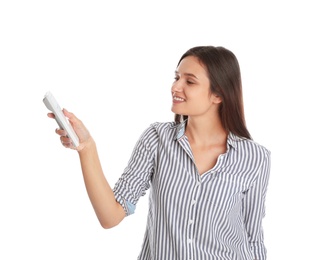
{"x": 176, "y": 111}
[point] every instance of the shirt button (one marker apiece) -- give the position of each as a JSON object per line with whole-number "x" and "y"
{"x": 189, "y": 241}
{"x": 193, "y": 202}
{"x": 190, "y": 221}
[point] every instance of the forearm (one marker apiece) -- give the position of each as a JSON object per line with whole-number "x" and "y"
{"x": 107, "y": 209}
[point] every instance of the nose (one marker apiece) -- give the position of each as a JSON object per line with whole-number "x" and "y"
{"x": 176, "y": 86}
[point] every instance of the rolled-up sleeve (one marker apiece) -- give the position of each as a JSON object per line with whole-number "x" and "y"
{"x": 254, "y": 209}
{"x": 135, "y": 180}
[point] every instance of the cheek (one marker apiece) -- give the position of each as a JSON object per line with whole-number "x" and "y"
{"x": 199, "y": 96}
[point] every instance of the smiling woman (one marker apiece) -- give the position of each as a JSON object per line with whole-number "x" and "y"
{"x": 219, "y": 70}
{"x": 207, "y": 177}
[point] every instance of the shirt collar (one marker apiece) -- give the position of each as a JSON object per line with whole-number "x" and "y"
{"x": 232, "y": 138}
{"x": 180, "y": 130}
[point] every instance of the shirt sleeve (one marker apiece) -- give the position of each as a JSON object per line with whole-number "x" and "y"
{"x": 135, "y": 180}
{"x": 254, "y": 209}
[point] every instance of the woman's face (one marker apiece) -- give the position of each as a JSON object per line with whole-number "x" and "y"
{"x": 191, "y": 93}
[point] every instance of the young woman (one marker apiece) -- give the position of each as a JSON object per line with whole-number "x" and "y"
{"x": 207, "y": 178}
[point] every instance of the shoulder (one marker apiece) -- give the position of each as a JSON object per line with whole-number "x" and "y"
{"x": 250, "y": 151}
{"x": 257, "y": 147}
{"x": 158, "y": 130}
{"x": 251, "y": 158}
{"x": 258, "y": 156}
{"x": 247, "y": 146}
{"x": 162, "y": 128}
{"x": 164, "y": 125}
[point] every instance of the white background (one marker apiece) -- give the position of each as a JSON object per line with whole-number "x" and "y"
{"x": 112, "y": 64}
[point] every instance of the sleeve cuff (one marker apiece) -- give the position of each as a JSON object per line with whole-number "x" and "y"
{"x": 128, "y": 207}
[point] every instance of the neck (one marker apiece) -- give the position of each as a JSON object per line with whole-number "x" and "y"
{"x": 206, "y": 132}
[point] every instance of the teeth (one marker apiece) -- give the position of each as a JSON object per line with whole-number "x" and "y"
{"x": 178, "y": 98}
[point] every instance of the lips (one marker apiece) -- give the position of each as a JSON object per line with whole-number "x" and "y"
{"x": 178, "y": 99}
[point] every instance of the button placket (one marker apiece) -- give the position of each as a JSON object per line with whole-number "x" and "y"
{"x": 191, "y": 217}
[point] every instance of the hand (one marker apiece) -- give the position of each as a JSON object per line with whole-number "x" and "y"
{"x": 83, "y": 134}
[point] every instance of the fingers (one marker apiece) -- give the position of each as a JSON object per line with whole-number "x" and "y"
{"x": 77, "y": 125}
{"x": 51, "y": 115}
{"x": 66, "y": 141}
{"x": 61, "y": 132}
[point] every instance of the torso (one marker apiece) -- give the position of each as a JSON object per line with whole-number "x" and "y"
{"x": 213, "y": 202}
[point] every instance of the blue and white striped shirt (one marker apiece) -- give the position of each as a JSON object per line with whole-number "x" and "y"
{"x": 216, "y": 215}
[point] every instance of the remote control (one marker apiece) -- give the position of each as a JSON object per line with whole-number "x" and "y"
{"x": 62, "y": 121}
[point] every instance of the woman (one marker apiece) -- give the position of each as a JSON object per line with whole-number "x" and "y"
{"x": 207, "y": 178}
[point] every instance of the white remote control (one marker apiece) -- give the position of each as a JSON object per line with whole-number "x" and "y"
{"x": 62, "y": 121}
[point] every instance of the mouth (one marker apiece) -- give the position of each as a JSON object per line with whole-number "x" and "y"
{"x": 179, "y": 99}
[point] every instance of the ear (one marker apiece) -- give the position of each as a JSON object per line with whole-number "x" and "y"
{"x": 215, "y": 99}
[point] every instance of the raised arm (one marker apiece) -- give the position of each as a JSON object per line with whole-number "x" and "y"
{"x": 108, "y": 210}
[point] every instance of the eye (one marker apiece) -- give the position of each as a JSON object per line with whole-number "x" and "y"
{"x": 176, "y": 78}
{"x": 190, "y": 82}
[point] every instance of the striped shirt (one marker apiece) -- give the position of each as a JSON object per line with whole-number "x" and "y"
{"x": 216, "y": 215}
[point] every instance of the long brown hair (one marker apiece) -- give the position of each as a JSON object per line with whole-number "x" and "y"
{"x": 225, "y": 81}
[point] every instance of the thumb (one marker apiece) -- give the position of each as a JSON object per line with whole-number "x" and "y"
{"x": 69, "y": 115}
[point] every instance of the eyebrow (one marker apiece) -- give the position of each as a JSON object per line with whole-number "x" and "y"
{"x": 187, "y": 74}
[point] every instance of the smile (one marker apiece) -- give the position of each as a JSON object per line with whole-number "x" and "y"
{"x": 178, "y": 99}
